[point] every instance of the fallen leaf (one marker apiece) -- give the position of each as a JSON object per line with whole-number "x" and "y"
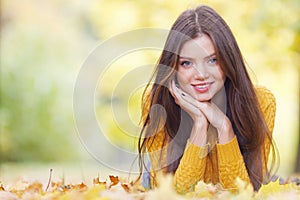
{"x": 35, "y": 187}
{"x": 125, "y": 187}
{"x": 114, "y": 180}
{"x": 2, "y": 188}
{"x": 80, "y": 186}
{"x": 96, "y": 181}
{"x": 94, "y": 192}
{"x": 273, "y": 188}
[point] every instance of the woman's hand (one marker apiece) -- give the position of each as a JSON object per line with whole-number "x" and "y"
{"x": 199, "y": 130}
{"x": 218, "y": 119}
{"x": 204, "y": 112}
{"x": 187, "y": 103}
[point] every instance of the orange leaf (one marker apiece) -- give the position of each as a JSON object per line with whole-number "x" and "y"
{"x": 64, "y": 188}
{"x": 96, "y": 181}
{"x": 125, "y": 187}
{"x": 114, "y": 180}
{"x": 55, "y": 185}
{"x": 36, "y": 187}
{"x": 81, "y": 186}
{"x": 2, "y": 188}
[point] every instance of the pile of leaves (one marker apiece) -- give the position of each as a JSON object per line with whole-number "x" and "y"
{"x": 114, "y": 188}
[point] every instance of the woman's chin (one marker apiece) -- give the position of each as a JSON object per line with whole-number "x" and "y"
{"x": 203, "y": 98}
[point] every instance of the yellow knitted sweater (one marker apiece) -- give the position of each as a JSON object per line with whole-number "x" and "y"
{"x": 225, "y": 162}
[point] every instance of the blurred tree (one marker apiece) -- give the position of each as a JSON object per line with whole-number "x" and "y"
{"x": 37, "y": 55}
{"x": 296, "y": 49}
{"x": 297, "y": 166}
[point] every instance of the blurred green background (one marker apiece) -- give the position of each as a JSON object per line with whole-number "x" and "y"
{"x": 44, "y": 43}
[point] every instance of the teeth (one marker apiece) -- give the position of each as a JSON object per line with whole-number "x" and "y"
{"x": 201, "y": 86}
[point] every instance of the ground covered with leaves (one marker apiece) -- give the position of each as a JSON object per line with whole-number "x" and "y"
{"x": 115, "y": 188}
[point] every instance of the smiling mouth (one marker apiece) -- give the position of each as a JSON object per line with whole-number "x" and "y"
{"x": 203, "y": 87}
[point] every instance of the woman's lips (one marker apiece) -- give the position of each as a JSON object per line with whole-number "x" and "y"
{"x": 202, "y": 87}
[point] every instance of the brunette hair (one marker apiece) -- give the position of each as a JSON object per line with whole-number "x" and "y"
{"x": 243, "y": 108}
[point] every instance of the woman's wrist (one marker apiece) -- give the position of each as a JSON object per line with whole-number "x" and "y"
{"x": 225, "y": 132}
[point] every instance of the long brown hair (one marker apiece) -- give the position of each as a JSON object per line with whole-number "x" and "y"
{"x": 243, "y": 108}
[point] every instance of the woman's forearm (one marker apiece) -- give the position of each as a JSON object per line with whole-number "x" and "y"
{"x": 198, "y": 135}
{"x": 225, "y": 132}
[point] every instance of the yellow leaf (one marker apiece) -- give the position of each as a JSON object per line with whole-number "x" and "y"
{"x": 94, "y": 192}
{"x": 273, "y": 187}
{"x": 203, "y": 190}
{"x": 164, "y": 190}
{"x": 2, "y": 188}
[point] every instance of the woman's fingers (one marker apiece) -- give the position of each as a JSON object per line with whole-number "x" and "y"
{"x": 199, "y": 111}
{"x": 192, "y": 106}
{"x": 210, "y": 110}
{"x": 213, "y": 114}
{"x": 178, "y": 94}
{"x": 190, "y": 99}
{"x": 185, "y": 101}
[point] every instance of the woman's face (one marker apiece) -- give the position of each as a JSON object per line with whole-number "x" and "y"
{"x": 199, "y": 73}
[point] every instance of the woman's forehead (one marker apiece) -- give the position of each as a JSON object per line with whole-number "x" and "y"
{"x": 201, "y": 45}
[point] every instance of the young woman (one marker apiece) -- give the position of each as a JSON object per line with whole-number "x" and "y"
{"x": 202, "y": 117}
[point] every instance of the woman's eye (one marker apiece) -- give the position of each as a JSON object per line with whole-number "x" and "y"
{"x": 186, "y": 63}
{"x": 212, "y": 61}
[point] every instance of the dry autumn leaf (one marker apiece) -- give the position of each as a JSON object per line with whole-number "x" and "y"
{"x": 2, "y": 188}
{"x": 125, "y": 187}
{"x": 96, "y": 181}
{"x": 119, "y": 189}
{"x": 80, "y": 186}
{"x": 114, "y": 180}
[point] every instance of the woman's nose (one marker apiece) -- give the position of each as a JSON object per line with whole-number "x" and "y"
{"x": 200, "y": 72}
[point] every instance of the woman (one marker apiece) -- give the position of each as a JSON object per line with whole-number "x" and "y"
{"x": 202, "y": 118}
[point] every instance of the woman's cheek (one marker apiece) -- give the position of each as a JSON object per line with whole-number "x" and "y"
{"x": 183, "y": 75}
{"x": 182, "y": 80}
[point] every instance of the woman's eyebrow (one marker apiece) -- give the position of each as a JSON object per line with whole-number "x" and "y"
{"x": 211, "y": 55}
{"x": 185, "y": 57}
{"x": 189, "y": 58}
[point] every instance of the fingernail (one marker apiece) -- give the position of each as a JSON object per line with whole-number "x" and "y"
{"x": 182, "y": 94}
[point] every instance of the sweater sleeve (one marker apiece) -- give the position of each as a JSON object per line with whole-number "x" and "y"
{"x": 191, "y": 168}
{"x": 231, "y": 164}
{"x": 230, "y": 160}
